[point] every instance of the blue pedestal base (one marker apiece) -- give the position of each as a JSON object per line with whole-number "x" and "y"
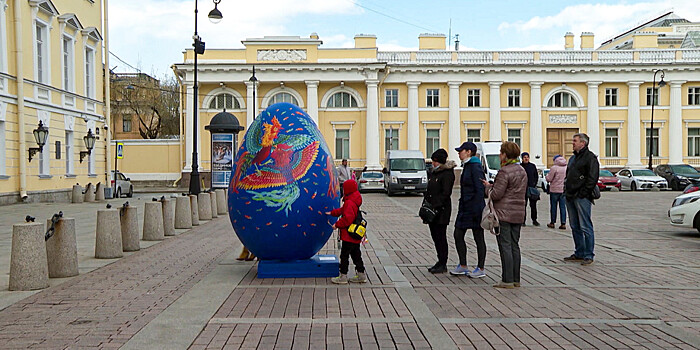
{"x": 316, "y": 266}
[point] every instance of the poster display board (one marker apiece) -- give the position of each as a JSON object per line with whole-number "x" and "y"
{"x": 222, "y": 146}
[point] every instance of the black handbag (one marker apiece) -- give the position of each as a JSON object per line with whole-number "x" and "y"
{"x": 533, "y": 193}
{"x": 596, "y": 192}
{"x": 427, "y": 212}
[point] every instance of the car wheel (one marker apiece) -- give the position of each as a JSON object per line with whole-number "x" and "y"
{"x": 696, "y": 222}
{"x": 674, "y": 185}
{"x": 131, "y": 192}
{"x": 119, "y": 193}
{"x": 633, "y": 186}
{"x": 389, "y": 192}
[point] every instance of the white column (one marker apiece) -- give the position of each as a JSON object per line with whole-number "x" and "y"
{"x": 593, "y": 124}
{"x": 312, "y": 99}
{"x": 189, "y": 127}
{"x": 495, "y": 111}
{"x": 536, "y": 123}
{"x": 634, "y": 153}
{"x": 675, "y": 125}
{"x": 250, "y": 103}
{"x": 454, "y": 134}
{"x": 372, "y": 128}
{"x": 413, "y": 122}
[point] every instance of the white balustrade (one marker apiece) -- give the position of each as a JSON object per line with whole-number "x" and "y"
{"x": 434, "y": 57}
{"x": 691, "y": 55}
{"x": 475, "y": 57}
{"x": 395, "y": 57}
{"x": 615, "y": 56}
{"x": 566, "y": 57}
{"x": 516, "y": 57}
{"x": 654, "y": 56}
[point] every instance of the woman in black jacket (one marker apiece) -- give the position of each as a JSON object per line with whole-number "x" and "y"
{"x": 440, "y": 183}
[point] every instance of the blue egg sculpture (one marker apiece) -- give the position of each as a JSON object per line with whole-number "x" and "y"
{"x": 283, "y": 182}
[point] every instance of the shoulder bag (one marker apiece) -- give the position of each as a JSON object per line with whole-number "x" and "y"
{"x": 427, "y": 212}
{"x": 489, "y": 219}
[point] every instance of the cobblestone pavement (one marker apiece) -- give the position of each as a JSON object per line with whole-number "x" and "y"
{"x": 641, "y": 292}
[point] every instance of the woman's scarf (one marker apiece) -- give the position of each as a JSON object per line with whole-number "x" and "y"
{"x": 509, "y": 162}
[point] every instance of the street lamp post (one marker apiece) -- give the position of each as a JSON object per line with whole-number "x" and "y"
{"x": 662, "y": 83}
{"x": 215, "y": 16}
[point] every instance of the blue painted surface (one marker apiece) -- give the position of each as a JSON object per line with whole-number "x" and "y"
{"x": 317, "y": 266}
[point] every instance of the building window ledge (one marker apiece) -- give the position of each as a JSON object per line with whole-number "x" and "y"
{"x": 92, "y": 175}
{"x": 71, "y": 176}
{"x": 4, "y": 177}
{"x": 45, "y": 176}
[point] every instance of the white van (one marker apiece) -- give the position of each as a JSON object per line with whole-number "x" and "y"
{"x": 405, "y": 172}
{"x": 489, "y": 154}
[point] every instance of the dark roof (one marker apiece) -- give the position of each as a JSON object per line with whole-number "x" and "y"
{"x": 664, "y": 20}
{"x": 224, "y": 122}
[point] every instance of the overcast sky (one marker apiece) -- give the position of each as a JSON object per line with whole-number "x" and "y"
{"x": 151, "y": 34}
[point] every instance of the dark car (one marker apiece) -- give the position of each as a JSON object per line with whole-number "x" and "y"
{"x": 678, "y": 176}
{"x": 606, "y": 180}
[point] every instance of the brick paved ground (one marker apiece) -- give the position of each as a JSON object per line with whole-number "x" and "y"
{"x": 642, "y": 292}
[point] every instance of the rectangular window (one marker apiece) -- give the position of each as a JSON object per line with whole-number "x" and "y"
{"x": 694, "y": 142}
{"x": 656, "y": 96}
{"x": 45, "y": 157}
{"x": 515, "y": 136}
{"x": 654, "y": 142}
{"x": 2, "y": 148}
{"x": 432, "y": 142}
{"x": 342, "y": 144}
{"x": 611, "y": 143}
{"x": 474, "y": 135}
{"x": 391, "y": 98}
{"x": 694, "y": 96}
{"x": 41, "y": 56}
{"x": 89, "y": 72}
{"x": 126, "y": 124}
{"x": 67, "y": 64}
{"x": 611, "y": 97}
{"x": 69, "y": 152}
{"x": 433, "y": 98}
{"x": 513, "y": 97}
{"x": 391, "y": 139}
{"x": 474, "y": 98}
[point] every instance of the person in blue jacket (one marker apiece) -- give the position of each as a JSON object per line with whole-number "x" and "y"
{"x": 471, "y": 205}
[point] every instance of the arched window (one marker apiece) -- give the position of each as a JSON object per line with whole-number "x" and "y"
{"x": 561, "y": 100}
{"x": 282, "y": 97}
{"x": 341, "y": 100}
{"x": 224, "y": 100}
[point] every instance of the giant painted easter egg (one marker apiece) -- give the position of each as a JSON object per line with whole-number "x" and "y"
{"x": 282, "y": 184}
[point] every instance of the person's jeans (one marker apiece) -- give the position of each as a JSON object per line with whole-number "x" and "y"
{"x": 557, "y": 199}
{"x": 439, "y": 234}
{"x": 509, "y": 248}
{"x": 350, "y": 249}
{"x": 581, "y": 226}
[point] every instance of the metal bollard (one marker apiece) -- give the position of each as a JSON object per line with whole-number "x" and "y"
{"x": 28, "y": 266}
{"x": 183, "y": 212}
{"x": 100, "y": 193}
{"x": 204, "y": 205}
{"x": 221, "y": 207}
{"x": 168, "y": 216}
{"x": 61, "y": 247}
{"x": 195, "y": 210}
{"x": 108, "y": 235}
{"x": 89, "y": 193}
{"x": 77, "y": 196}
{"x": 129, "y": 220}
{"x": 153, "y": 222}
{"x": 214, "y": 210}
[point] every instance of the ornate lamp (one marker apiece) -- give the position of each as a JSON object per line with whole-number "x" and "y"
{"x": 89, "y": 140}
{"x": 40, "y": 135}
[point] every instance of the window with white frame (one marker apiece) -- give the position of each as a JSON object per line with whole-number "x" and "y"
{"x": 69, "y": 152}
{"x": 433, "y": 98}
{"x": 654, "y": 142}
{"x": 611, "y": 96}
{"x": 561, "y": 99}
{"x": 391, "y": 139}
{"x": 342, "y": 143}
{"x": 694, "y": 96}
{"x": 68, "y": 71}
{"x": 45, "y": 157}
{"x": 432, "y": 140}
{"x": 474, "y": 98}
{"x": 91, "y": 162}
{"x": 612, "y": 139}
{"x": 41, "y": 53}
{"x": 515, "y": 135}
{"x": 513, "y": 97}
{"x": 224, "y": 100}
{"x": 282, "y": 97}
{"x": 3, "y": 171}
{"x": 341, "y": 100}
{"x": 655, "y": 92}
{"x": 89, "y": 72}
{"x": 693, "y": 142}
{"x": 474, "y": 135}
{"x": 126, "y": 123}
{"x": 391, "y": 97}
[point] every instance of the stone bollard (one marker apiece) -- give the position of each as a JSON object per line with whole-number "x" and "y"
{"x": 28, "y": 267}
{"x": 169, "y": 217}
{"x": 214, "y": 209}
{"x": 195, "y": 210}
{"x": 89, "y": 193}
{"x": 204, "y": 201}
{"x": 62, "y": 249}
{"x": 77, "y": 194}
{"x": 99, "y": 193}
{"x": 655, "y": 189}
{"x": 183, "y": 212}
{"x": 108, "y": 242}
{"x": 614, "y": 189}
{"x": 153, "y": 222}
{"x": 221, "y": 207}
{"x": 131, "y": 240}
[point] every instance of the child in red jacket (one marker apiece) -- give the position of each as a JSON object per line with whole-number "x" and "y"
{"x": 352, "y": 200}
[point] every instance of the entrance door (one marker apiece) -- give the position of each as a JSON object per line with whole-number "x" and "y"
{"x": 559, "y": 142}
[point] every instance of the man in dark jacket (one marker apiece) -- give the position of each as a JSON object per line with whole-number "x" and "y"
{"x": 440, "y": 183}
{"x": 581, "y": 179}
{"x": 531, "y": 171}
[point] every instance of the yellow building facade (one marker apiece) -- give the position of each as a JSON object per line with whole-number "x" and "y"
{"x": 51, "y": 69}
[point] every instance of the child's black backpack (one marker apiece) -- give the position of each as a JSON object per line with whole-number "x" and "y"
{"x": 358, "y": 228}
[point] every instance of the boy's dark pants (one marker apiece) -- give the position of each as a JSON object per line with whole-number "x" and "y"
{"x": 352, "y": 250}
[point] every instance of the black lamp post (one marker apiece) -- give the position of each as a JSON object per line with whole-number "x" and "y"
{"x": 215, "y": 16}
{"x": 662, "y": 83}
{"x": 40, "y": 135}
{"x": 89, "y": 141}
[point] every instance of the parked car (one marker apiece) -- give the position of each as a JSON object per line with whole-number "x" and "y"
{"x": 371, "y": 181}
{"x": 124, "y": 186}
{"x": 684, "y": 211}
{"x": 691, "y": 188}
{"x": 541, "y": 181}
{"x": 640, "y": 179}
{"x": 678, "y": 176}
{"x": 606, "y": 180}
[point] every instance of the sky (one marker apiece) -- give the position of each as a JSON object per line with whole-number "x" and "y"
{"x": 150, "y": 35}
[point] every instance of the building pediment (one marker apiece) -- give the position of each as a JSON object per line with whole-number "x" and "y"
{"x": 45, "y": 6}
{"x": 71, "y": 20}
{"x": 92, "y": 33}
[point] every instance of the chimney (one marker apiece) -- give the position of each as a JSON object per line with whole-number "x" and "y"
{"x": 428, "y": 41}
{"x": 569, "y": 41}
{"x": 645, "y": 40}
{"x": 313, "y": 35}
{"x": 365, "y": 41}
{"x": 587, "y": 41}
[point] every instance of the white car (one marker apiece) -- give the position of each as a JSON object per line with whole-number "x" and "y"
{"x": 640, "y": 179}
{"x": 541, "y": 181}
{"x": 684, "y": 211}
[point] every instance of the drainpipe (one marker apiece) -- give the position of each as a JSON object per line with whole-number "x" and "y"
{"x": 108, "y": 99}
{"x": 20, "y": 101}
{"x": 182, "y": 126}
